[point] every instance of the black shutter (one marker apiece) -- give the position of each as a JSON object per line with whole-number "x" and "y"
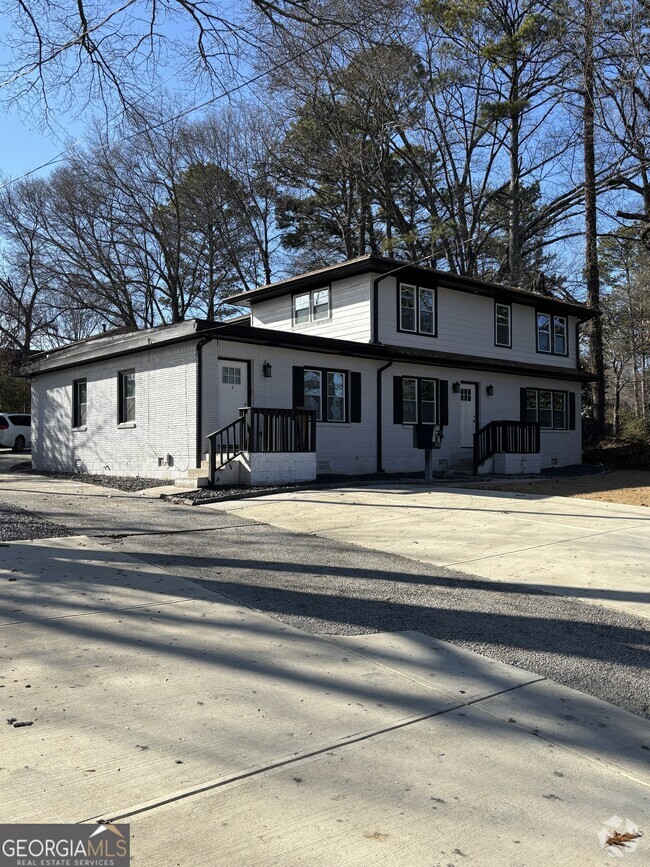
{"x": 572, "y": 411}
{"x": 443, "y": 389}
{"x": 298, "y": 387}
{"x": 355, "y": 397}
{"x": 522, "y": 404}
{"x": 398, "y": 407}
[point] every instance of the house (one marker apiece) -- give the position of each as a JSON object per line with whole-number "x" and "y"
{"x": 335, "y": 368}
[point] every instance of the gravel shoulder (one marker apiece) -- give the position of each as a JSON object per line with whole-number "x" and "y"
{"x": 17, "y": 524}
{"x": 619, "y": 486}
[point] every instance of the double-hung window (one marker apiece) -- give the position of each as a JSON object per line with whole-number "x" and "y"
{"x": 419, "y": 400}
{"x": 79, "y": 403}
{"x": 334, "y": 395}
{"x": 502, "y": 325}
{"x": 126, "y": 396}
{"x": 417, "y": 309}
{"x": 312, "y": 306}
{"x": 325, "y": 392}
{"x": 549, "y": 408}
{"x": 552, "y": 334}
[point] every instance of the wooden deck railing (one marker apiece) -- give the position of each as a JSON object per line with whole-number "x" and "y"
{"x": 261, "y": 429}
{"x": 510, "y": 437}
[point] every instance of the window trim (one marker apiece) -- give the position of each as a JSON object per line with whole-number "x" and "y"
{"x": 121, "y": 399}
{"x": 508, "y": 307}
{"x": 323, "y": 373}
{"x": 552, "y": 318}
{"x": 311, "y": 293}
{"x": 418, "y": 399}
{"x": 552, "y": 392}
{"x": 434, "y": 292}
{"x": 77, "y": 423}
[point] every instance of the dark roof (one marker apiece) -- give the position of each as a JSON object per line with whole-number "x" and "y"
{"x": 140, "y": 341}
{"x": 386, "y": 266}
{"x": 386, "y": 352}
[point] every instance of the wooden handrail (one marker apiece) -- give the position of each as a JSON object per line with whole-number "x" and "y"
{"x": 509, "y": 437}
{"x": 262, "y": 429}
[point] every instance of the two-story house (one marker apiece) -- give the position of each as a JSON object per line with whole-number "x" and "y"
{"x": 336, "y": 367}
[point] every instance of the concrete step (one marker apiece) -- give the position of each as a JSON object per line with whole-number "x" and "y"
{"x": 201, "y": 481}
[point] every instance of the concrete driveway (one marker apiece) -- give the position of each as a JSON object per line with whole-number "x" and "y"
{"x": 593, "y": 551}
{"x": 224, "y": 736}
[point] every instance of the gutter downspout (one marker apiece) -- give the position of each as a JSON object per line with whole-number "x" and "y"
{"x": 375, "y": 307}
{"x": 199, "y": 396}
{"x": 380, "y": 468}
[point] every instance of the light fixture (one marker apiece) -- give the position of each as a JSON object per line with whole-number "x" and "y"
{"x": 455, "y": 387}
{"x": 489, "y": 390}
{"x": 266, "y": 368}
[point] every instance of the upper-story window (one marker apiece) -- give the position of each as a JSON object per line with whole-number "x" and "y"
{"x": 552, "y": 334}
{"x": 312, "y": 306}
{"x": 417, "y": 309}
{"x": 502, "y": 325}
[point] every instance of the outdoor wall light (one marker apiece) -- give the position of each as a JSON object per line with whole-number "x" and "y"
{"x": 455, "y": 387}
{"x": 489, "y": 390}
{"x": 266, "y": 368}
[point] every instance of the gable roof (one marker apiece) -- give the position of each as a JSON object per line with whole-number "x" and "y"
{"x": 382, "y": 265}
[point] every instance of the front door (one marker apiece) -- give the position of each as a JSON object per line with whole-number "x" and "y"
{"x": 467, "y": 414}
{"x": 233, "y": 390}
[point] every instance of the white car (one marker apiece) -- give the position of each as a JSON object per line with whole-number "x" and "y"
{"x": 15, "y": 430}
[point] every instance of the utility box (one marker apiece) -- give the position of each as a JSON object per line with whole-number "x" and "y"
{"x": 427, "y": 436}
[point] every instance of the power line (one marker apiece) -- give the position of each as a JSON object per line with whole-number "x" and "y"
{"x": 211, "y": 101}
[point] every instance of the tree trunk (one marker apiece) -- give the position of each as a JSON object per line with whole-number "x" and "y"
{"x": 592, "y": 275}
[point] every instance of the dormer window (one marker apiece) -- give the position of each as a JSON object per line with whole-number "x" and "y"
{"x": 417, "y": 309}
{"x": 312, "y": 306}
{"x": 552, "y": 334}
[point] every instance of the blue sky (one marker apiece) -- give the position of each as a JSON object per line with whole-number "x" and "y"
{"x": 23, "y": 146}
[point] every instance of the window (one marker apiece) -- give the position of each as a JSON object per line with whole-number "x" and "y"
{"x": 418, "y": 401}
{"x": 312, "y": 306}
{"x": 334, "y": 395}
{"x": 79, "y": 403}
{"x": 502, "y": 317}
{"x": 126, "y": 397}
{"x": 417, "y": 309}
{"x": 21, "y": 420}
{"x": 547, "y": 407}
{"x": 330, "y": 403}
{"x": 552, "y": 334}
{"x": 231, "y": 375}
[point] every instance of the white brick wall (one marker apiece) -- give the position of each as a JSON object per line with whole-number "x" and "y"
{"x": 342, "y": 448}
{"x": 558, "y": 448}
{"x": 166, "y": 412}
{"x": 165, "y": 416}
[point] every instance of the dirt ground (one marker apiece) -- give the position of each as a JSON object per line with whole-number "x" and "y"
{"x": 618, "y": 486}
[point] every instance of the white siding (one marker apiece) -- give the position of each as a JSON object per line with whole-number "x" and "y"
{"x": 346, "y": 448}
{"x": 350, "y": 313}
{"x": 466, "y": 326}
{"x": 165, "y": 416}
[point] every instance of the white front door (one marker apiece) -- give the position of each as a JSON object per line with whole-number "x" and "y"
{"x": 232, "y": 390}
{"x": 467, "y": 414}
